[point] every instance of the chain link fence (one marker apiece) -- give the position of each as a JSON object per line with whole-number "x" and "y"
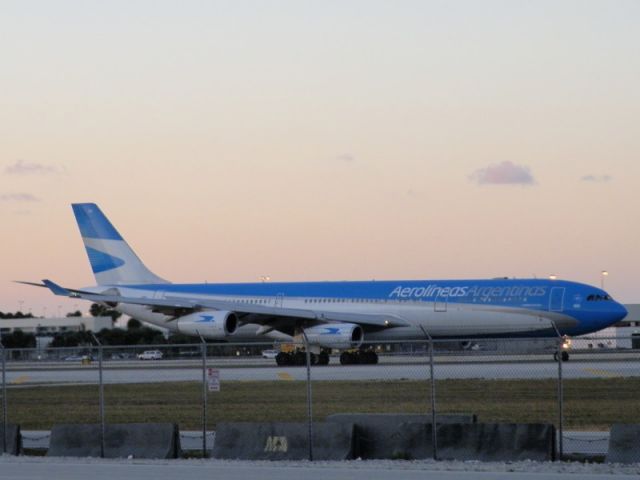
{"x": 200, "y": 385}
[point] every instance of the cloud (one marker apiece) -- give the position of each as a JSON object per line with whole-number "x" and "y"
{"x": 30, "y": 168}
{"x": 505, "y": 173}
{"x": 596, "y": 178}
{"x": 346, "y": 157}
{"x": 18, "y": 197}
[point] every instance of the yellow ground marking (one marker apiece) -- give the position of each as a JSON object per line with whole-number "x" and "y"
{"x": 602, "y": 373}
{"x": 20, "y": 379}
{"x": 284, "y": 376}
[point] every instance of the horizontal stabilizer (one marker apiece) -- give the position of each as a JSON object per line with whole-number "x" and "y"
{"x": 33, "y": 284}
{"x": 56, "y": 289}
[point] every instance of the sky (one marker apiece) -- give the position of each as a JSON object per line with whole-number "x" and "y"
{"x": 327, "y": 140}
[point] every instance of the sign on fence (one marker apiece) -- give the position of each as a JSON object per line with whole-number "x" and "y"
{"x": 213, "y": 379}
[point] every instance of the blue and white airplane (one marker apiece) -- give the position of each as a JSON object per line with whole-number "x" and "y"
{"x": 339, "y": 315}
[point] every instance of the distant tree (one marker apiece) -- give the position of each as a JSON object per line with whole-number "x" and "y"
{"x": 77, "y": 313}
{"x": 133, "y": 324}
{"x": 19, "y": 339}
{"x": 72, "y": 339}
{"x": 99, "y": 310}
{"x": 149, "y": 336}
{"x": 113, "y": 336}
{"x": 181, "y": 338}
{"x": 15, "y": 315}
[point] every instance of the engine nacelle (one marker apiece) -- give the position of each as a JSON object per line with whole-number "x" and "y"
{"x": 336, "y": 335}
{"x": 213, "y": 324}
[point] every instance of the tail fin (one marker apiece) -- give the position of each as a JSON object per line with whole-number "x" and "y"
{"x": 112, "y": 260}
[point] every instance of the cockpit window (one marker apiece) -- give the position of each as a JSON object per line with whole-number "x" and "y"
{"x": 599, "y": 298}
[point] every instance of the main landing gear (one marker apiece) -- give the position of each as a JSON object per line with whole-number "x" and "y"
{"x": 359, "y": 357}
{"x": 299, "y": 358}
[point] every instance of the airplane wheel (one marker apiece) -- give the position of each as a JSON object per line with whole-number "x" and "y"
{"x": 300, "y": 358}
{"x": 314, "y": 358}
{"x": 564, "y": 356}
{"x": 283, "y": 359}
{"x": 372, "y": 358}
{"x": 346, "y": 358}
{"x": 323, "y": 358}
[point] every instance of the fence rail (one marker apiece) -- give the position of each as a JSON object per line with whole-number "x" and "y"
{"x": 498, "y": 380}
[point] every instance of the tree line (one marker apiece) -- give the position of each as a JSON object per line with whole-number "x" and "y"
{"x": 135, "y": 333}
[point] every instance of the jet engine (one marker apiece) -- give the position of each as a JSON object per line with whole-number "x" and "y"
{"x": 213, "y": 324}
{"x": 336, "y": 335}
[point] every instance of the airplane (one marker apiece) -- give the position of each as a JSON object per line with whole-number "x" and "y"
{"x": 334, "y": 315}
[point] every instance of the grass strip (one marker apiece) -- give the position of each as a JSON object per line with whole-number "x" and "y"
{"x": 589, "y": 404}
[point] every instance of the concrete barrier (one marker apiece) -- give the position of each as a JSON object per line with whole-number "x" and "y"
{"x": 136, "y": 440}
{"x": 496, "y": 442}
{"x": 14, "y": 440}
{"x": 394, "y": 436}
{"x": 283, "y": 441}
{"x": 624, "y": 443}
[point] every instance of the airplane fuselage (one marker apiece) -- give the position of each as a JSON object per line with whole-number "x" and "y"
{"x": 439, "y": 308}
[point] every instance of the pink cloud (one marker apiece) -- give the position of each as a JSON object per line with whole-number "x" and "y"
{"x": 505, "y": 173}
{"x": 31, "y": 168}
{"x": 18, "y": 197}
{"x": 597, "y": 178}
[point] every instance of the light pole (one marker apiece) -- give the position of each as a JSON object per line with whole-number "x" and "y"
{"x": 603, "y": 274}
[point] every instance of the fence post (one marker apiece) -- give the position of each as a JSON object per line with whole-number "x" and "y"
{"x": 203, "y": 347}
{"x": 560, "y": 394}
{"x": 4, "y": 399}
{"x": 434, "y": 425}
{"x": 101, "y": 395}
{"x": 309, "y": 398}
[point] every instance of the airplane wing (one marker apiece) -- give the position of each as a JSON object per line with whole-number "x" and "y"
{"x": 248, "y": 313}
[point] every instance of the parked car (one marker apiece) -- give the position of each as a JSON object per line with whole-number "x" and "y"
{"x": 270, "y": 353}
{"x": 73, "y": 358}
{"x": 150, "y": 355}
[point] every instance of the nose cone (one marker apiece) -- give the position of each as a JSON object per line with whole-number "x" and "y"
{"x": 601, "y": 315}
{"x": 618, "y": 312}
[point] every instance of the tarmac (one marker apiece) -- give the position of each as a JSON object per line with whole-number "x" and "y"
{"x": 23, "y": 468}
{"x": 172, "y": 371}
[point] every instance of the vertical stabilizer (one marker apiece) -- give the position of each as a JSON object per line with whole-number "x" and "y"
{"x": 112, "y": 260}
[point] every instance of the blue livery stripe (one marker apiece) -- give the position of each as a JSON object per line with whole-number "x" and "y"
{"x": 93, "y": 223}
{"x": 101, "y": 262}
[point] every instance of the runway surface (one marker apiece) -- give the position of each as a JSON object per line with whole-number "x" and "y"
{"x": 22, "y": 468}
{"x": 157, "y": 372}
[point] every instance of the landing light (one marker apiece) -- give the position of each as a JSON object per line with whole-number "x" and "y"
{"x": 386, "y": 323}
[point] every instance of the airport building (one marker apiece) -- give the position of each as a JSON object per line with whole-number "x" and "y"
{"x": 624, "y": 334}
{"x": 47, "y": 327}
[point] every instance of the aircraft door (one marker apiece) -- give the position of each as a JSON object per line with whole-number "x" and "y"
{"x": 556, "y": 299}
{"x": 440, "y": 303}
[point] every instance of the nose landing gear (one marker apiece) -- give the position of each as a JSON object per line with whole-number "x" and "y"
{"x": 564, "y": 356}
